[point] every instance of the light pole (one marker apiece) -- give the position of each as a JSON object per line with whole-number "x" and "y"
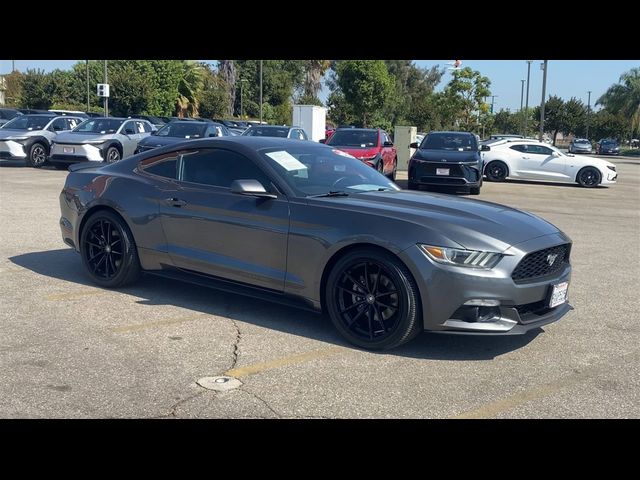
{"x": 106, "y": 99}
{"x": 521, "y": 93}
{"x": 492, "y": 101}
{"x": 13, "y": 66}
{"x": 588, "y": 113}
{"x": 526, "y": 105}
{"x": 261, "y": 92}
{"x": 543, "y": 66}
{"x": 87, "y": 64}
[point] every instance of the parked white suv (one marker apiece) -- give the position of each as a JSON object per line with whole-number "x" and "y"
{"x": 532, "y": 160}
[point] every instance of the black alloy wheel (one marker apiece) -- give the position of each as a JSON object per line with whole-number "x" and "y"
{"x": 108, "y": 251}
{"x": 372, "y": 300}
{"x": 37, "y": 155}
{"x": 496, "y": 171}
{"x": 589, "y": 177}
{"x": 113, "y": 155}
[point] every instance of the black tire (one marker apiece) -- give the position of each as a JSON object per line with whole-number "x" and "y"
{"x": 112, "y": 155}
{"x": 380, "y": 167}
{"x": 496, "y": 171}
{"x": 392, "y": 175}
{"x": 60, "y": 166}
{"x": 37, "y": 155}
{"x": 474, "y": 190}
{"x": 412, "y": 185}
{"x": 381, "y": 313}
{"x": 116, "y": 265}
{"x": 589, "y": 177}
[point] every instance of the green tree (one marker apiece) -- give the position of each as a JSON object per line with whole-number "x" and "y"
{"x": 624, "y": 98}
{"x": 228, "y": 74}
{"x": 13, "y": 83}
{"x": 466, "y": 92}
{"x": 314, "y": 70}
{"x": 505, "y": 122}
{"x": 554, "y": 116}
{"x": 189, "y": 88}
{"x": 37, "y": 90}
{"x": 366, "y": 85}
{"x": 214, "y": 98}
{"x": 575, "y": 116}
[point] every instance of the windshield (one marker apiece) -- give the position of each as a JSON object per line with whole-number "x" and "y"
{"x": 354, "y": 138}
{"x": 317, "y": 170}
{"x": 27, "y": 122}
{"x": 604, "y": 142}
{"x": 449, "y": 141}
{"x": 267, "y": 132}
{"x": 583, "y": 142}
{"x": 99, "y": 125}
{"x": 182, "y": 130}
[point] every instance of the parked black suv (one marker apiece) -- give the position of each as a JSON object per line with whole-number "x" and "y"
{"x": 608, "y": 146}
{"x": 447, "y": 159}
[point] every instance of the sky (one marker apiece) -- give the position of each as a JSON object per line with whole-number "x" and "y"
{"x": 565, "y": 78}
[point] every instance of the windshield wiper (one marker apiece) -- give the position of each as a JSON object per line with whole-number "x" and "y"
{"x": 331, "y": 193}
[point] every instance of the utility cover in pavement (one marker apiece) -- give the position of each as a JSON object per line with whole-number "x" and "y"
{"x": 219, "y": 384}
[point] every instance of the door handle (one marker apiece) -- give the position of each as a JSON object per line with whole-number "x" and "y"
{"x": 526, "y": 157}
{"x": 175, "y": 202}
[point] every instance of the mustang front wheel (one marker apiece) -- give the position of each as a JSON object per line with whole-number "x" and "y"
{"x": 372, "y": 300}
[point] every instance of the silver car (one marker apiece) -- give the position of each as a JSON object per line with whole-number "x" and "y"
{"x": 580, "y": 145}
{"x": 100, "y": 139}
{"x": 29, "y": 137}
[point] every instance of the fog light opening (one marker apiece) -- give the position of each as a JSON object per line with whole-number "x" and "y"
{"x": 473, "y": 314}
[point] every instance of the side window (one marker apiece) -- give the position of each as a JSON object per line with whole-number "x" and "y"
{"x": 540, "y": 150}
{"x": 210, "y": 130}
{"x": 219, "y": 168}
{"x": 128, "y": 128}
{"x": 147, "y": 127}
{"x": 139, "y": 127}
{"x": 58, "y": 125}
{"x": 519, "y": 148}
{"x": 385, "y": 137}
{"x": 165, "y": 166}
{"x": 72, "y": 123}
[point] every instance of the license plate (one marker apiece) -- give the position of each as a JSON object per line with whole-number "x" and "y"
{"x": 68, "y": 149}
{"x": 442, "y": 171}
{"x": 559, "y": 294}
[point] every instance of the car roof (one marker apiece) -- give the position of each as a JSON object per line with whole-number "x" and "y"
{"x": 448, "y": 132}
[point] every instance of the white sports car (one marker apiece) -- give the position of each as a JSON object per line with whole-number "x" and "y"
{"x": 532, "y": 160}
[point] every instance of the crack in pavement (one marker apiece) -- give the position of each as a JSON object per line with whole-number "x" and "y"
{"x": 236, "y": 346}
{"x": 174, "y": 407}
{"x": 258, "y": 397}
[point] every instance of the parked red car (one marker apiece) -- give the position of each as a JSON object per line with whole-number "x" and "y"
{"x": 370, "y": 145}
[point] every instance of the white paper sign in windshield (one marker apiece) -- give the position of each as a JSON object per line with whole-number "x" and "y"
{"x": 287, "y": 161}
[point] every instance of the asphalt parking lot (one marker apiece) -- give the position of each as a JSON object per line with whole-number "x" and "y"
{"x": 69, "y": 349}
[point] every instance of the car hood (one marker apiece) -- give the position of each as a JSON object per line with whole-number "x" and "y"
{"x": 75, "y": 137}
{"x": 358, "y": 152}
{"x": 472, "y": 224}
{"x": 155, "y": 141}
{"x": 446, "y": 156}
{"x": 581, "y": 160}
{"x": 4, "y": 133}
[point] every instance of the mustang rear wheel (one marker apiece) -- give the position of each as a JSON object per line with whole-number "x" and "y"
{"x": 108, "y": 250}
{"x": 373, "y": 300}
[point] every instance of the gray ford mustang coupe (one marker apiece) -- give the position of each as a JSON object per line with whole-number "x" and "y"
{"x": 311, "y": 226}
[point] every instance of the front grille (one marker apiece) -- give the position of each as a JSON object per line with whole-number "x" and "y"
{"x": 58, "y": 157}
{"x": 430, "y": 169}
{"x": 542, "y": 263}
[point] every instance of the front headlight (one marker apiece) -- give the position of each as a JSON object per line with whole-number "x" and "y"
{"x": 611, "y": 167}
{"x": 18, "y": 138}
{"x": 367, "y": 158}
{"x": 95, "y": 142}
{"x": 462, "y": 258}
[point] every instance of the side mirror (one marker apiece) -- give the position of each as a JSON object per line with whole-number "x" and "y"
{"x": 322, "y": 140}
{"x": 414, "y": 145}
{"x": 250, "y": 188}
{"x": 387, "y": 144}
{"x": 485, "y": 148}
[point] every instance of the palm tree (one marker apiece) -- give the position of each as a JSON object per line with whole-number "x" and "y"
{"x": 227, "y": 69}
{"x": 624, "y": 97}
{"x": 189, "y": 89}
{"x": 315, "y": 70}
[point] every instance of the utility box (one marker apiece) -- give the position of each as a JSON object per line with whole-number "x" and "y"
{"x": 312, "y": 119}
{"x": 403, "y": 137}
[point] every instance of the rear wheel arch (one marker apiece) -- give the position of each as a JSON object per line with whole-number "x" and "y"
{"x": 98, "y": 208}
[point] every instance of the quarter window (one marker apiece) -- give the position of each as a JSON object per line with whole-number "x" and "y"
{"x": 164, "y": 166}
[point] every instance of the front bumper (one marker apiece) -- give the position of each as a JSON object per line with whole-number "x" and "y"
{"x": 521, "y": 307}
{"x": 10, "y": 149}
{"x": 459, "y": 174}
{"x": 74, "y": 153}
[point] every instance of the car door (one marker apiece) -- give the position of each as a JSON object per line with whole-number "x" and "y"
{"x": 544, "y": 163}
{"x": 213, "y": 231}
{"x": 128, "y": 138}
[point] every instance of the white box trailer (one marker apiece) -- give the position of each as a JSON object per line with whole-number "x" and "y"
{"x": 312, "y": 119}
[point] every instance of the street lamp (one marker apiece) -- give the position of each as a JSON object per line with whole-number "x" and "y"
{"x": 526, "y": 105}
{"x": 543, "y": 66}
{"x": 588, "y": 113}
{"x": 521, "y": 93}
{"x": 260, "y": 92}
{"x": 492, "y": 101}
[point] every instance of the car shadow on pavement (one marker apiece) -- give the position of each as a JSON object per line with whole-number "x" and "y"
{"x": 65, "y": 264}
